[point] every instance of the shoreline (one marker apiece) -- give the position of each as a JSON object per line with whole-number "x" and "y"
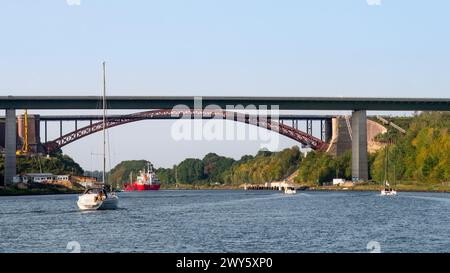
{"x": 4, "y": 191}
{"x": 374, "y": 188}
{"x": 360, "y": 188}
{"x": 35, "y": 192}
{"x": 49, "y": 190}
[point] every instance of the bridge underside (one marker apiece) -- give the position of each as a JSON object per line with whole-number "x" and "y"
{"x": 261, "y": 121}
{"x": 358, "y": 143}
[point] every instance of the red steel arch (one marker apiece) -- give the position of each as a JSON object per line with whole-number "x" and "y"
{"x": 260, "y": 121}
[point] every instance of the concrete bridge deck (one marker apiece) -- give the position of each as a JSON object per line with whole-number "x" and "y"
{"x": 168, "y": 102}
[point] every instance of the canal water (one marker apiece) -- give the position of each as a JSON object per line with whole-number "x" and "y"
{"x": 230, "y": 221}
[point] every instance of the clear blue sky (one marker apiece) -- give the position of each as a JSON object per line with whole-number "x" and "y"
{"x": 247, "y": 47}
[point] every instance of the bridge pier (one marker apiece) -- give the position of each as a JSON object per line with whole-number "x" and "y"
{"x": 326, "y": 130}
{"x": 360, "y": 169}
{"x": 309, "y": 127}
{"x": 10, "y": 145}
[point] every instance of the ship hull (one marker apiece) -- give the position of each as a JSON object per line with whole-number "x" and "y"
{"x": 138, "y": 187}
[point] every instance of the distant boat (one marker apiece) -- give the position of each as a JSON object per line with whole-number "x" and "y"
{"x": 100, "y": 198}
{"x": 290, "y": 190}
{"x": 146, "y": 180}
{"x": 388, "y": 190}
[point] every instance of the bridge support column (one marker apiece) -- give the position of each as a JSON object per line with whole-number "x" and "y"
{"x": 360, "y": 170}
{"x": 327, "y": 130}
{"x": 10, "y": 145}
{"x": 309, "y": 127}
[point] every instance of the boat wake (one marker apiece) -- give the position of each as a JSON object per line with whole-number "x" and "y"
{"x": 201, "y": 205}
{"x": 431, "y": 198}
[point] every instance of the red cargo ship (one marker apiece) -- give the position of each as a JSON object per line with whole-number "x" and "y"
{"x": 146, "y": 181}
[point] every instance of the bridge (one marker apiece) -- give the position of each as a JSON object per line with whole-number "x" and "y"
{"x": 274, "y": 123}
{"x": 358, "y": 106}
{"x": 284, "y": 103}
{"x": 307, "y": 139}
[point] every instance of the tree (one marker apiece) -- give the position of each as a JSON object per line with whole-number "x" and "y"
{"x": 215, "y": 166}
{"x": 190, "y": 170}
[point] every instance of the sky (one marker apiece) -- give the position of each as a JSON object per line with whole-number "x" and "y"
{"x": 365, "y": 48}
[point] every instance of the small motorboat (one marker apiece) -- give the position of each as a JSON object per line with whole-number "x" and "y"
{"x": 290, "y": 190}
{"x": 98, "y": 199}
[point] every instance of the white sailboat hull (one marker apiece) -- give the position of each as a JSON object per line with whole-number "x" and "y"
{"x": 290, "y": 191}
{"x": 110, "y": 203}
{"x": 91, "y": 201}
{"x": 388, "y": 193}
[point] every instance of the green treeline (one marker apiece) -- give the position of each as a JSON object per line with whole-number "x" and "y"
{"x": 121, "y": 173}
{"x": 57, "y": 164}
{"x": 264, "y": 167}
{"x": 422, "y": 155}
{"x": 319, "y": 167}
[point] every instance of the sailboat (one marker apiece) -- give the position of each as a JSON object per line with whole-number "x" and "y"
{"x": 290, "y": 190}
{"x": 100, "y": 198}
{"x": 388, "y": 190}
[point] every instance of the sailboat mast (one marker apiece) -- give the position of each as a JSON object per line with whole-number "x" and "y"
{"x": 385, "y": 164}
{"x": 104, "y": 124}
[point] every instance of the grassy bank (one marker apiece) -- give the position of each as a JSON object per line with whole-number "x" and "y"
{"x": 38, "y": 189}
{"x": 16, "y": 192}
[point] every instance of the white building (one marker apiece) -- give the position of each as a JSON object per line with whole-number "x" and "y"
{"x": 62, "y": 177}
{"x": 37, "y": 177}
{"x": 40, "y": 178}
{"x": 338, "y": 181}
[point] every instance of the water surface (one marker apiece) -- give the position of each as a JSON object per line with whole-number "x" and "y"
{"x": 229, "y": 221}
